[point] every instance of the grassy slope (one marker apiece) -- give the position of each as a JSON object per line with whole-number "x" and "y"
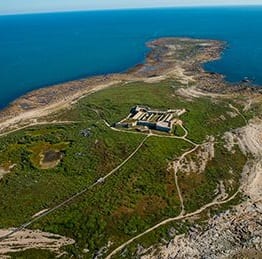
{"x": 141, "y": 194}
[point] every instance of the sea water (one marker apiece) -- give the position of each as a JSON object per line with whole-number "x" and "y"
{"x": 38, "y": 50}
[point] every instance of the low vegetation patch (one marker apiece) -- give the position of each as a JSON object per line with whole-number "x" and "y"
{"x": 201, "y": 188}
{"x": 140, "y": 194}
{"x": 46, "y": 155}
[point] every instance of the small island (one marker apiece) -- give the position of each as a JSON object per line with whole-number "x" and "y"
{"x": 162, "y": 160}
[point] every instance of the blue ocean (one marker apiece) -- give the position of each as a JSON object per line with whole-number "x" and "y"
{"x": 38, "y": 50}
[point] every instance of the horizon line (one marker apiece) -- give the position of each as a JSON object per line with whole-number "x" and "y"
{"x": 135, "y": 8}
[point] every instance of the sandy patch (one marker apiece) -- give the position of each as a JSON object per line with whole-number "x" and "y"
{"x": 179, "y": 74}
{"x": 253, "y": 179}
{"x": 3, "y": 172}
{"x": 27, "y": 239}
{"x": 31, "y": 116}
{"x": 50, "y": 159}
{"x": 193, "y": 92}
{"x": 6, "y": 170}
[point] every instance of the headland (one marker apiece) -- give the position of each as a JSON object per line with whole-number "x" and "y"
{"x": 180, "y": 58}
{"x": 163, "y": 160}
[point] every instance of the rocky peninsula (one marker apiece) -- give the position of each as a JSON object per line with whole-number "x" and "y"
{"x": 169, "y": 57}
{"x": 194, "y": 192}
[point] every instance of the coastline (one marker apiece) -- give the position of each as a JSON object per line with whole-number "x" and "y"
{"x": 159, "y": 65}
{"x": 219, "y": 142}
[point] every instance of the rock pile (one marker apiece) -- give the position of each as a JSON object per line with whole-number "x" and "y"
{"x": 225, "y": 236}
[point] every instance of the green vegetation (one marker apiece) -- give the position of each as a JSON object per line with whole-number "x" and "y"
{"x": 85, "y": 160}
{"x": 138, "y": 195}
{"x": 40, "y": 150}
{"x": 33, "y": 254}
{"x": 198, "y": 189}
{"x": 178, "y": 131}
{"x": 161, "y": 235}
{"x": 204, "y": 116}
{"x": 141, "y": 194}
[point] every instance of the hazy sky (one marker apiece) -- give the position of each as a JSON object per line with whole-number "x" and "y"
{"x": 30, "y": 6}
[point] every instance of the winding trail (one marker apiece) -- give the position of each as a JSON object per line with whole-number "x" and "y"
{"x": 182, "y": 215}
{"x": 153, "y": 134}
{"x": 101, "y": 180}
{"x": 176, "y": 165}
{"x": 185, "y": 130}
{"x": 118, "y": 249}
{"x": 238, "y": 112}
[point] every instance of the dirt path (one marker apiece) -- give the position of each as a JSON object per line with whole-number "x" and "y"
{"x": 238, "y": 112}
{"x": 65, "y": 202}
{"x": 26, "y": 117}
{"x": 256, "y": 150}
{"x": 176, "y": 165}
{"x": 153, "y": 134}
{"x": 118, "y": 249}
{"x": 185, "y": 130}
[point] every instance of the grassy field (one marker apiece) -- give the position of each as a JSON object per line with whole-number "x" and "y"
{"x": 204, "y": 116}
{"x": 140, "y": 194}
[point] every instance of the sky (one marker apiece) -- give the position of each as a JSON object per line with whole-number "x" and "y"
{"x": 35, "y": 6}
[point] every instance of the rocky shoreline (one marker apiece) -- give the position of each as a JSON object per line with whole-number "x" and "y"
{"x": 232, "y": 233}
{"x": 177, "y": 58}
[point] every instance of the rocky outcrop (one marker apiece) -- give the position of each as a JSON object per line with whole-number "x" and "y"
{"x": 197, "y": 162}
{"x": 28, "y": 239}
{"x": 237, "y": 232}
{"x": 226, "y": 235}
{"x": 177, "y": 58}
